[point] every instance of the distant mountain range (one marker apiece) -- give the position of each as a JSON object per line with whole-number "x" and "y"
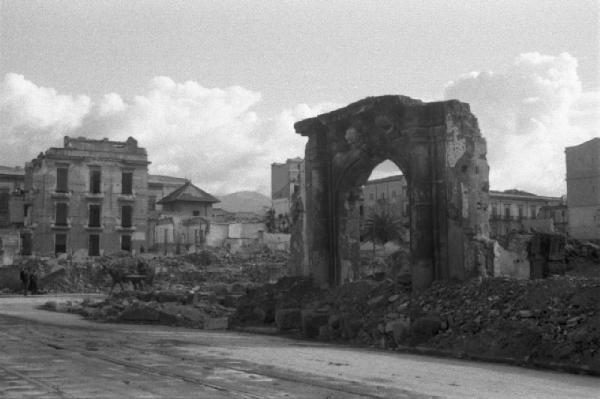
{"x": 244, "y": 201}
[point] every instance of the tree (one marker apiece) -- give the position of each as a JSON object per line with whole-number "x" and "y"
{"x": 382, "y": 226}
{"x": 269, "y": 220}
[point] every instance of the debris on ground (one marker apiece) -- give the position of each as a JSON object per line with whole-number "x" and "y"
{"x": 553, "y": 320}
{"x": 200, "y": 290}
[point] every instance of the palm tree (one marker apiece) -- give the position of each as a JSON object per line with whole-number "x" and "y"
{"x": 381, "y": 226}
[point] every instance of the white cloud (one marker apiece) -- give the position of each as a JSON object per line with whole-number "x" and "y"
{"x": 528, "y": 114}
{"x": 33, "y": 118}
{"x": 211, "y": 136}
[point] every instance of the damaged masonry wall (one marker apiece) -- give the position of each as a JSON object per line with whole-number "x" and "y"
{"x": 439, "y": 149}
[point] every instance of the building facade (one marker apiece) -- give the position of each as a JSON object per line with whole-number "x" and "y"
{"x": 514, "y": 210}
{"x": 183, "y": 220}
{"x": 388, "y": 193}
{"x": 286, "y": 179}
{"x": 160, "y": 186}
{"x": 12, "y": 215}
{"x": 88, "y": 198}
{"x": 583, "y": 189}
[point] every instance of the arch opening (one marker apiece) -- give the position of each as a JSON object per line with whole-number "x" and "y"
{"x": 373, "y": 230}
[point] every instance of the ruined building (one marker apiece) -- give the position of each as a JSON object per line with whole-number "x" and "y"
{"x": 12, "y": 215}
{"x": 387, "y": 193}
{"x": 88, "y": 198}
{"x": 184, "y": 218}
{"x": 516, "y": 210}
{"x": 286, "y": 179}
{"x": 438, "y": 148}
{"x": 583, "y": 189}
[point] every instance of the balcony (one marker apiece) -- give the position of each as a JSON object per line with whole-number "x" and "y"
{"x": 126, "y": 197}
{"x": 61, "y": 195}
{"x": 94, "y": 196}
{"x": 93, "y": 227}
{"x": 125, "y": 228}
{"x": 61, "y": 226}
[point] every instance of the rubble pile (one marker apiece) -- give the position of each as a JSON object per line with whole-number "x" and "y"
{"x": 200, "y": 290}
{"x": 547, "y": 320}
{"x": 555, "y": 320}
{"x": 57, "y": 275}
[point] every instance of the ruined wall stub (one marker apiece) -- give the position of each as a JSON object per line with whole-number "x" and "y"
{"x": 441, "y": 152}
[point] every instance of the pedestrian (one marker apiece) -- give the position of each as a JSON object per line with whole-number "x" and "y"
{"x": 25, "y": 280}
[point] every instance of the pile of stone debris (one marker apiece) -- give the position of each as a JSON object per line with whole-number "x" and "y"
{"x": 67, "y": 275}
{"x": 200, "y": 290}
{"x": 179, "y": 307}
{"x": 543, "y": 321}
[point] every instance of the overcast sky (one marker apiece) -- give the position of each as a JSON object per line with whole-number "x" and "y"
{"x": 212, "y": 89}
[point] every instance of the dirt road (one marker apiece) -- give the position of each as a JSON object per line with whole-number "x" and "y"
{"x": 51, "y": 355}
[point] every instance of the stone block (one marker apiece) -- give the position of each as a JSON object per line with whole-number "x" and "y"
{"x": 312, "y": 322}
{"x": 216, "y": 323}
{"x": 424, "y": 328}
{"x": 288, "y": 319}
{"x": 140, "y": 313}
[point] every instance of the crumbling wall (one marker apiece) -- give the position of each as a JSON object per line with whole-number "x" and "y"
{"x": 438, "y": 148}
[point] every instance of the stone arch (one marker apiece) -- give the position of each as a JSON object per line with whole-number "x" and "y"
{"x": 439, "y": 149}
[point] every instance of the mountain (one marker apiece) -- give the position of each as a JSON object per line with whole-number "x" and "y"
{"x": 244, "y": 201}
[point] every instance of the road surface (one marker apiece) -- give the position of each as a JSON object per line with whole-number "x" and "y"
{"x": 51, "y": 355}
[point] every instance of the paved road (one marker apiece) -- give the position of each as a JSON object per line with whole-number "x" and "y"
{"x": 50, "y": 355}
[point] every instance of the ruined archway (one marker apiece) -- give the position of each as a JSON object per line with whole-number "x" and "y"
{"x": 440, "y": 150}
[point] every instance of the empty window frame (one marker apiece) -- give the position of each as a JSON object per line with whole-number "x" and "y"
{"x": 127, "y": 183}
{"x": 60, "y": 243}
{"x": 62, "y": 179}
{"x": 4, "y": 206}
{"x": 94, "y": 215}
{"x": 94, "y": 245}
{"x": 126, "y": 243}
{"x": 151, "y": 203}
{"x": 95, "y": 181}
{"x": 62, "y": 212}
{"x": 126, "y": 215}
{"x": 507, "y": 211}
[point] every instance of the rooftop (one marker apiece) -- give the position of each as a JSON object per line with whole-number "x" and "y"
{"x": 12, "y": 171}
{"x": 386, "y": 179}
{"x": 188, "y": 193}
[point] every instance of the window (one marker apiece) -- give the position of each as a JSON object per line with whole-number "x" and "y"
{"x": 521, "y": 212}
{"x": 127, "y": 183}
{"x": 94, "y": 217}
{"x": 196, "y": 213}
{"x": 62, "y": 211}
{"x": 371, "y": 197}
{"x": 4, "y": 207}
{"x": 126, "y": 213}
{"x": 151, "y": 203}
{"x": 62, "y": 179}
{"x": 25, "y": 244}
{"x": 494, "y": 211}
{"x": 533, "y": 212}
{"x": 95, "y": 181}
{"x": 393, "y": 193}
{"x": 60, "y": 243}
{"x": 126, "y": 243}
{"x": 507, "y": 212}
{"x": 94, "y": 245}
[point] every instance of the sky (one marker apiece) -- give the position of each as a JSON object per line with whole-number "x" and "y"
{"x": 212, "y": 88}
